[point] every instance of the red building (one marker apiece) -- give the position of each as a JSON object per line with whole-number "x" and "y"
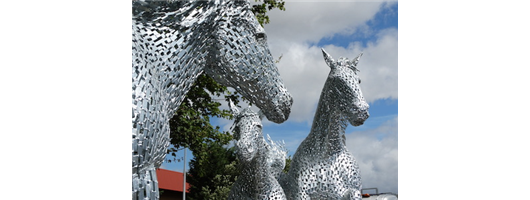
{"x": 171, "y": 184}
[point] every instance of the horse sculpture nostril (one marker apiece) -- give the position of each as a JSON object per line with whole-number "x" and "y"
{"x": 358, "y": 123}
{"x": 359, "y": 119}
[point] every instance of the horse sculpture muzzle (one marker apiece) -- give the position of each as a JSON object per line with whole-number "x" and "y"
{"x": 281, "y": 108}
{"x": 361, "y": 115}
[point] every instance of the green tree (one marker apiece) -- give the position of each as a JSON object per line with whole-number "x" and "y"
{"x": 190, "y": 127}
{"x": 212, "y": 172}
{"x": 287, "y": 164}
{"x": 260, "y": 10}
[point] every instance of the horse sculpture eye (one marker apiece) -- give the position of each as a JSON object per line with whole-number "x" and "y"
{"x": 261, "y": 37}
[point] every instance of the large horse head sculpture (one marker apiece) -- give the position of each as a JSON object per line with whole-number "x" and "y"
{"x": 221, "y": 38}
{"x": 173, "y": 42}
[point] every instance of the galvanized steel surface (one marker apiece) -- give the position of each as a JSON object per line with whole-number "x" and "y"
{"x": 260, "y": 162}
{"x": 322, "y": 167}
{"x": 172, "y": 43}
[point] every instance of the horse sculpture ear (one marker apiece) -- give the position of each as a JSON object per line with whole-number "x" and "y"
{"x": 356, "y": 60}
{"x": 329, "y": 60}
{"x": 233, "y": 107}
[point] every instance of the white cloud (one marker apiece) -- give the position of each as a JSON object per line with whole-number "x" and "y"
{"x": 311, "y": 21}
{"x": 376, "y": 152}
{"x": 304, "y": 72}
{"x": 379, "y": 66}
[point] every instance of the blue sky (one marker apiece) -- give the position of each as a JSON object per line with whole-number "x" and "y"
{"x": 370, "y": 28}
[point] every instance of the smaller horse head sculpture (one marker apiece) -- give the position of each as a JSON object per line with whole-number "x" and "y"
{"x": 346, "y": 88}
{"x": 260, "y": 163}
{"x": 248, "y": 132}
{"x": 249, "y": 135}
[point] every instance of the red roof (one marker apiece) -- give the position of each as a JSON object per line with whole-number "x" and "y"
{"x": 171, "y": 180}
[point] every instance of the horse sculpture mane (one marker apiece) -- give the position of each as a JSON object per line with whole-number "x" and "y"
{"x": 173, "y": 42}
{"x": 322, "y": 167}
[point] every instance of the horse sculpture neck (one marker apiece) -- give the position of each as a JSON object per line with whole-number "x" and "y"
{"x": 165, "y": 44}
{"x": 329, "y": 122}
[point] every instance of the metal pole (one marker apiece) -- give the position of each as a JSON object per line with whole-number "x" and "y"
{"x": 184, "y": 190}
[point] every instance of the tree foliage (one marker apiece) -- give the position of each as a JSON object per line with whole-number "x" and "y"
{"x": 260, "y": 10}
{"x": 212, "y": 172}
{"x": 190, "y": 127}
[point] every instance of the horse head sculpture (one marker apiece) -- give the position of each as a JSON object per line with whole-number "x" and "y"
{"x": 345, "y": 81}
{"x": 260, "y": 163}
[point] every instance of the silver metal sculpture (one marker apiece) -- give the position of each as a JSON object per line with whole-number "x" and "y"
{"x": 175, "y": 41}
{"x": 322, "y": 167}
{"x": 260, "y": 163}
